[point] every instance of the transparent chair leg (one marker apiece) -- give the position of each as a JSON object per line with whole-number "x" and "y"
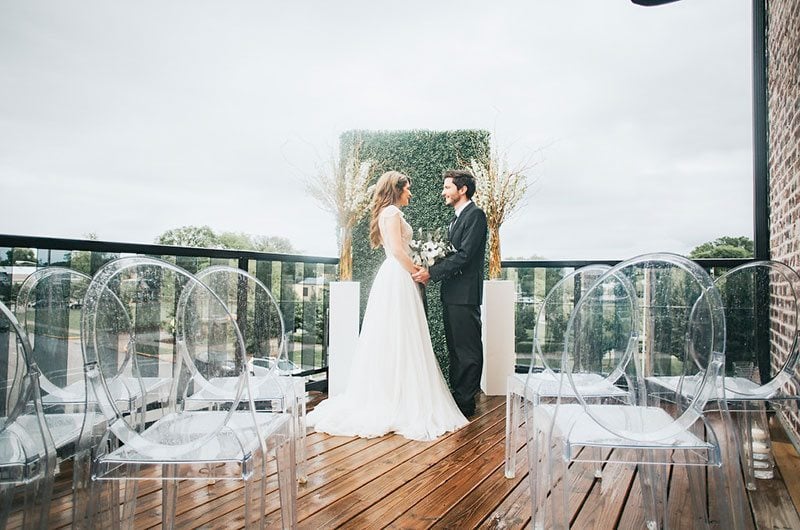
{"x": 169, "y": 495}
{"x": 129, "y": 502}
{"x": 558, "y": 470}
{"x": 730, "y": 495}
{"x": 652, "y": 478}
{"x": 95, "y": 509}
{"x": 81, "y": 483}
{"x": 300, "y": 450}
{"x": 6, "y": 496}
{"x": 536, "y": 480}
{"x": 114, "y": 505}
{"x": 513, "y": 406}
{"x": 742, "y": 419}
{"x": 596, "y": 454}
{"x": 287, "y": 483}
{"x": 698, "y": 491}
{"x": 762, "y": 461}
{"x": 249, "y": 497}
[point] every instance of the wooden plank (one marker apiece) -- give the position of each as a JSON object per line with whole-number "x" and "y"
{"x": 202, "y": 504}
{"x": 359, "y": 453}
{"x": 581, "y": 482}
{"x": 457, "y": 480}
{"x": 514, "y": 512}
{"x": 273, "y": 518}
{"x": 772, "y": 504}
{"x": 633, "y": 512}
{"x": 461, "y": 447}
{"x": 603, "y": 506}
{"x": 472, "y": 510}
{"x": 366, "y": 497}
{"x": 680, "y": 508}
{"x": 433, "y": 507}
{"x": 786, "y": 459}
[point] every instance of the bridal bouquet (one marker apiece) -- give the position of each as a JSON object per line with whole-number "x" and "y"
{"x": 427, "y": 250}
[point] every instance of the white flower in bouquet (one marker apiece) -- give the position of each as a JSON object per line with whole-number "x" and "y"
{"x": 429, "y": 249}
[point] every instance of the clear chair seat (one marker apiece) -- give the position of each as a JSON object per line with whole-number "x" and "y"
{"x": 64, "y": 428}
{"x": 591, "y": 385}
{"x": 222, "y": 388}
{"x": 589, "y": 426}
{"x": 235, "y": 442}
{"x": 18, "y": 463}
{"x": 125, "y": 389}
{"x": 735, "y": 387}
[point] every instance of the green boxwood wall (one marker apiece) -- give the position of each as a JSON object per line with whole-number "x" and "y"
{"x": 422, "y": 155}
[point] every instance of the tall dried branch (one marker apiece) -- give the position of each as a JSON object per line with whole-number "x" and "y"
{"x": 500, "y": 191}
{"x": 343, "y": 188}
{"x": 500, "y": 188}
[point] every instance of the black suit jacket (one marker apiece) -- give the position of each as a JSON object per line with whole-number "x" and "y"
{"x": 461, "y": 273}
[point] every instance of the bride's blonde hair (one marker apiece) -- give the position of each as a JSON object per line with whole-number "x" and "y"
{"x": 387, "y": 192}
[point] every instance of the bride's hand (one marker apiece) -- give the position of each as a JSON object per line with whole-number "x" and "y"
{"x": 421, "y": 276}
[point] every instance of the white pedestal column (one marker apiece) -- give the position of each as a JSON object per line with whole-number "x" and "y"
{"x": 497, "y": 315}
{"x": 344, "y": 314}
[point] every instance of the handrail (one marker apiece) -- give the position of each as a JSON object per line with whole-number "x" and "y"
{"x": 706, "y": 263}
{"x": 54, "y": 243}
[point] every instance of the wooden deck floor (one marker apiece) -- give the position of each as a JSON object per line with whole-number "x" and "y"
{"x": 454, "y": 482}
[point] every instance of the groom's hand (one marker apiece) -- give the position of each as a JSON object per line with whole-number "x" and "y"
{"x": 422, "y": 276}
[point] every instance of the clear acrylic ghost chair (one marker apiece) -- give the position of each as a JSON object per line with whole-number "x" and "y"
{"x": 231, "y": 436}
{"x": 259, "y": 317}
{"x": 43, "y": 301}
{"x": 753, "y": 374}
{"x": 27, "y": 451}
{"x": 545, "y": 367}
{"x": 48, "y": 308}
{"x": 682, "y": 323}
{"x": 49, "y": 305}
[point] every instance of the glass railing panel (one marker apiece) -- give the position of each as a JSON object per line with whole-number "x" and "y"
{"x": 299, "y": 284}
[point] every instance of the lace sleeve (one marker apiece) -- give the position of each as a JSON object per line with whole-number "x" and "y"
{"x": 392, "y": 236}
{"x": 390, "y": 221}
{"x": 390, "y": 211}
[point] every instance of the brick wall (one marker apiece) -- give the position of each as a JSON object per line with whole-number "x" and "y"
{"x": 783, "y": 101}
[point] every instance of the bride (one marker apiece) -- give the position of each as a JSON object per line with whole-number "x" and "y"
{"x": 395, "y": 384}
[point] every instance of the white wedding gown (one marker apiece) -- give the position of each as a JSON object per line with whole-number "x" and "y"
{"x": 395, "y": 384}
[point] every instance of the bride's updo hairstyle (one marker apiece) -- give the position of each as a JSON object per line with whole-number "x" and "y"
{"x": 387, "y": 192}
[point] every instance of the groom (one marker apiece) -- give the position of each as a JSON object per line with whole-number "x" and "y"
{"x": 461, "y": 275}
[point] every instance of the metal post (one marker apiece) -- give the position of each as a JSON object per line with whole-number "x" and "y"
{"x": 760, "y": 144}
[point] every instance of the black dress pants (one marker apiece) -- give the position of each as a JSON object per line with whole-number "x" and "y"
{"x": 462, "y": 328}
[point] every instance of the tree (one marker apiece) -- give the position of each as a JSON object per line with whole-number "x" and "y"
{"x": 20, "y": 256}
{"x": 277, "y": 244}
{"x": 205, "y": 237}
{"x": 243, "y": 241}
{"x": 189, "y": 236}
{"x": 345, "y": 191}
{"x": 724, "y": 247}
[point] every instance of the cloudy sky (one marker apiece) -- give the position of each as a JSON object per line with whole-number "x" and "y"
{"x": 130, "y": 118}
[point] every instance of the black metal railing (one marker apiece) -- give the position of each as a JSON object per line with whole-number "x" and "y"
{"x": 535, "y": 278}
{"x": 299, "y": 283}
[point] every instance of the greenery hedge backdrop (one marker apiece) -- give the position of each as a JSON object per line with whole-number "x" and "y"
{"x": 422, "y": 155}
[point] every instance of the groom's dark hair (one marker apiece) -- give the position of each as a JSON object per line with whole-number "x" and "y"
{"x": 461, "y": 178}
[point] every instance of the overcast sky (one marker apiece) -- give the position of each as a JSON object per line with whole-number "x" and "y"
{"x": 130, "y": 118}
